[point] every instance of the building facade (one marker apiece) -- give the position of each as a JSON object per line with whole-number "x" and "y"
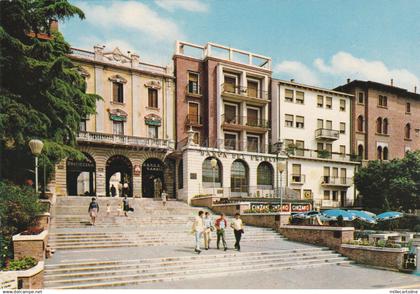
{"x": 128, "y": 140}
{"x": 315, "y": 125}
{"x": 223, "y": 113}
{"x": 385, "y": 120}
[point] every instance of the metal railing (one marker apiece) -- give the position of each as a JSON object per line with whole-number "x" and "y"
{"x": 248, "y": 192}
{"x": 297, "y": 178}
{"x": 192, "y": 120}
{"x": 244, "y": 91}
{"x": 193, "y": 88}
{"x": 339, "y": 181}
{"x": 246, "y": 121}
{"x": 327, "y": 134}
{"x": 320, "y": 154}
{"x": 125, "y": 140}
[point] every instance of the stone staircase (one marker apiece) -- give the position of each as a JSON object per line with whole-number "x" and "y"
{"x": 154, "y": 245}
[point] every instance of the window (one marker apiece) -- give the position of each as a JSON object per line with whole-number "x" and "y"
{"x": 342, "y": 105}
{"x": 342, "y": 128}
{"x": 320, "y": 123}
{"x": 407, "y": 131}
{"x": 252, "y": 117}
{"x": 230, "y": 84}
{"x": 328, "y": 102}
{"x": 193, "y": 80}
{"x": 343, "y": 150}
{"x": 385, "y": 153}
{"x": 328, "y": 147}
{"x": 385, "y": 126}
{"x": 300, "y": 122}
{"x": 329, "y": 125}
{"x": 252, "y": 89}
{"x": 326, "y": 195}
{"x": 408, "y": 107}
{"x": 296, "y": 173}
{"x": 211, "y": 174}
{"x": 319, "y": 146}
{"x": 300, "y": 148}
{"x": 231, "y": 141}
{"x": 82, "y": 125}
{"x": 300, "y": 97}
{"x": 379, "y": 153}
{"x": 230, "y": 115}
{"x": 343, "y": 176}
{"x": 361, "y": 98}
{"x": 320, "y": 101}
{"x": 239, "y": 176}
{"x": 334, "y": 195}
{"x": 117, "y": 92}
{"x": 265, "y": 174}
{"x": 383, "y": 101}
{"x": 379, "y": 125}
{"x": 193, "y": 113}
{"x": 360, "y": 151}
{"x": 153, "y": 98}
{"x": 360, "y": 123}
{"x": 288, "y": 95}
{"x": 253, "y": 143}
{"x": 153, "y": 132}
{"x": 118, "y": 127}
{"x": 288, "y": 120}
{"x": 335, "y": 172}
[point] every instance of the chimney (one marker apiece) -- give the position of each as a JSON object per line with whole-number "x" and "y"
{"x": 348, "y": 81}
{"x": 392, "y": 82}
{"x": 53, "y": 25}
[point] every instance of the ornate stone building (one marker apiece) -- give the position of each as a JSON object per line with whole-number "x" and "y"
{"x": 128, "y": 141}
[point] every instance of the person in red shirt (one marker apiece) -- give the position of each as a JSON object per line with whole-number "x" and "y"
{"x": 221, "y": 225}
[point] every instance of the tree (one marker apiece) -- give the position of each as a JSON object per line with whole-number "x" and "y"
{"x": 391, "y": 185}
{"x": 42, "y": 94}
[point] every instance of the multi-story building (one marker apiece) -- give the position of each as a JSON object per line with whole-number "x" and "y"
{"x": 314, "y": 125}
{"x": 223, "y": 113}
{"x": 385, "y": 120}
{"x": 127, "y": 141}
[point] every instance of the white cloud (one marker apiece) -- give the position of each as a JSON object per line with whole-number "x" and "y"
{"x": 134, "y": 16}
{"x": 345, "y": 65}
{"x": 189, "y": 5}
{"x": 298, "y": 71}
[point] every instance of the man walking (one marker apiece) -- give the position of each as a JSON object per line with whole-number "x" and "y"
{"x": 238, "y": 230}
{"x": 221, "y": 225}
{"x": 113, "y": 190}
{"x": 93, "y": 210}
{"x": 208, "y": 227}
{"x": 197, "y": 230}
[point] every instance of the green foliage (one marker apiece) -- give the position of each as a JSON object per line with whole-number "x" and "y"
{"x": 19, "y": 207}
{"x": 21, "y": 264}
{"x": 417, "y": 228}
{"x": 42, "y": 95}
{"x": 323, "y": 154}
{"x": 391, "y": 185}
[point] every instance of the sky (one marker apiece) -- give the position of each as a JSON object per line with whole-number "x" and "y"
{"x": 316, "y": 42}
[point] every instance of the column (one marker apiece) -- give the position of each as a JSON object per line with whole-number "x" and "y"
{"x": 100, "y": 176}
{"x": 137, "y": 177}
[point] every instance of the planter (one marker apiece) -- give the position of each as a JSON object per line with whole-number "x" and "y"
{"x": 43, "y": 220}
{"x": 267, "y": 220}
{"x": 30, "y": 245}
{"x": 26, "y": 279}
{"x": 231, "y": 208}
{"x": 377, "y": 256}
{"x": 206, "y": 201}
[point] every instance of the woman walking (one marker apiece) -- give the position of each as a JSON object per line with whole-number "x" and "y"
{"x": 93, "y": 211}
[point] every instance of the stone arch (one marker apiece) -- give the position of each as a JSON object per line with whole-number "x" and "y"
{"x": 153, "y": 181}
{"x": 122, "y": 165}
{"x": 81, "y": 176}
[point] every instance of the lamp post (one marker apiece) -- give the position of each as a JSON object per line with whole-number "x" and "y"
{"x": 36, "y": 149}
{"x": 281, "y": 166}
{"x": 213, "y": 163}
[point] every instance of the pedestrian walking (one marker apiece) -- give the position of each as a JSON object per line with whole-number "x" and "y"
{"x": 164, "y": 196}
{"x": 126, "y": 205}
{"x": 93, "y": 211}
{"x": 238, "y": 229}
{"x": 197, "y": 230}
{"x": 113, "y": 190}
{"x": 208, "y": 228}
{"x": 221, "y": 225}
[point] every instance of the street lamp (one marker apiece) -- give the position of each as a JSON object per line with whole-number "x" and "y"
{"x": 36, "y": 148}
{"x": 213, "y": 163}
{"x": 281, "y": 167}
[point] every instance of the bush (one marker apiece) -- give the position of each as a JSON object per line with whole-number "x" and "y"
{"x": 19, "y": 207}
{"x": 21, "y": 264}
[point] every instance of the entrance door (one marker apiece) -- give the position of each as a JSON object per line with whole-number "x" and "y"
{"x": 152, "y": 178}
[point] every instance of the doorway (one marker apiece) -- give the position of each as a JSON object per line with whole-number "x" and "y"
{"x": 152, "y": 178}
{"x": 81, "y": 176}
{"x": 119, "y": 173}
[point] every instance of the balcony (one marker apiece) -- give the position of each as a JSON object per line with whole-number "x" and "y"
{"x": 237, "y": 93}
{"x": 123, "y": 140}
{"x": 328, "y": 181}
{"x": 239, "y": 123}
{"x": 297, "y": 179}
{"x": 194, "y": 120}
{"x": 327, "y": 134}
{"x": 193, "y": 90}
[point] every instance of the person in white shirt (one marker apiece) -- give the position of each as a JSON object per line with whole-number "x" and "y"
{"x": 197, "y": 230}
{"x": 208, "y": 227}
{"x": 238, "y": 229}
{"x": 164, "y": 196}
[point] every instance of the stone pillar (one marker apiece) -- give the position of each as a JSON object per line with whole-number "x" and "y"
{"x": 100, "y": 176}
{"x": 137, "y": 177}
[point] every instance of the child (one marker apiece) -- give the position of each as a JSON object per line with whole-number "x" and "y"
{"x": 164, "y": 197}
